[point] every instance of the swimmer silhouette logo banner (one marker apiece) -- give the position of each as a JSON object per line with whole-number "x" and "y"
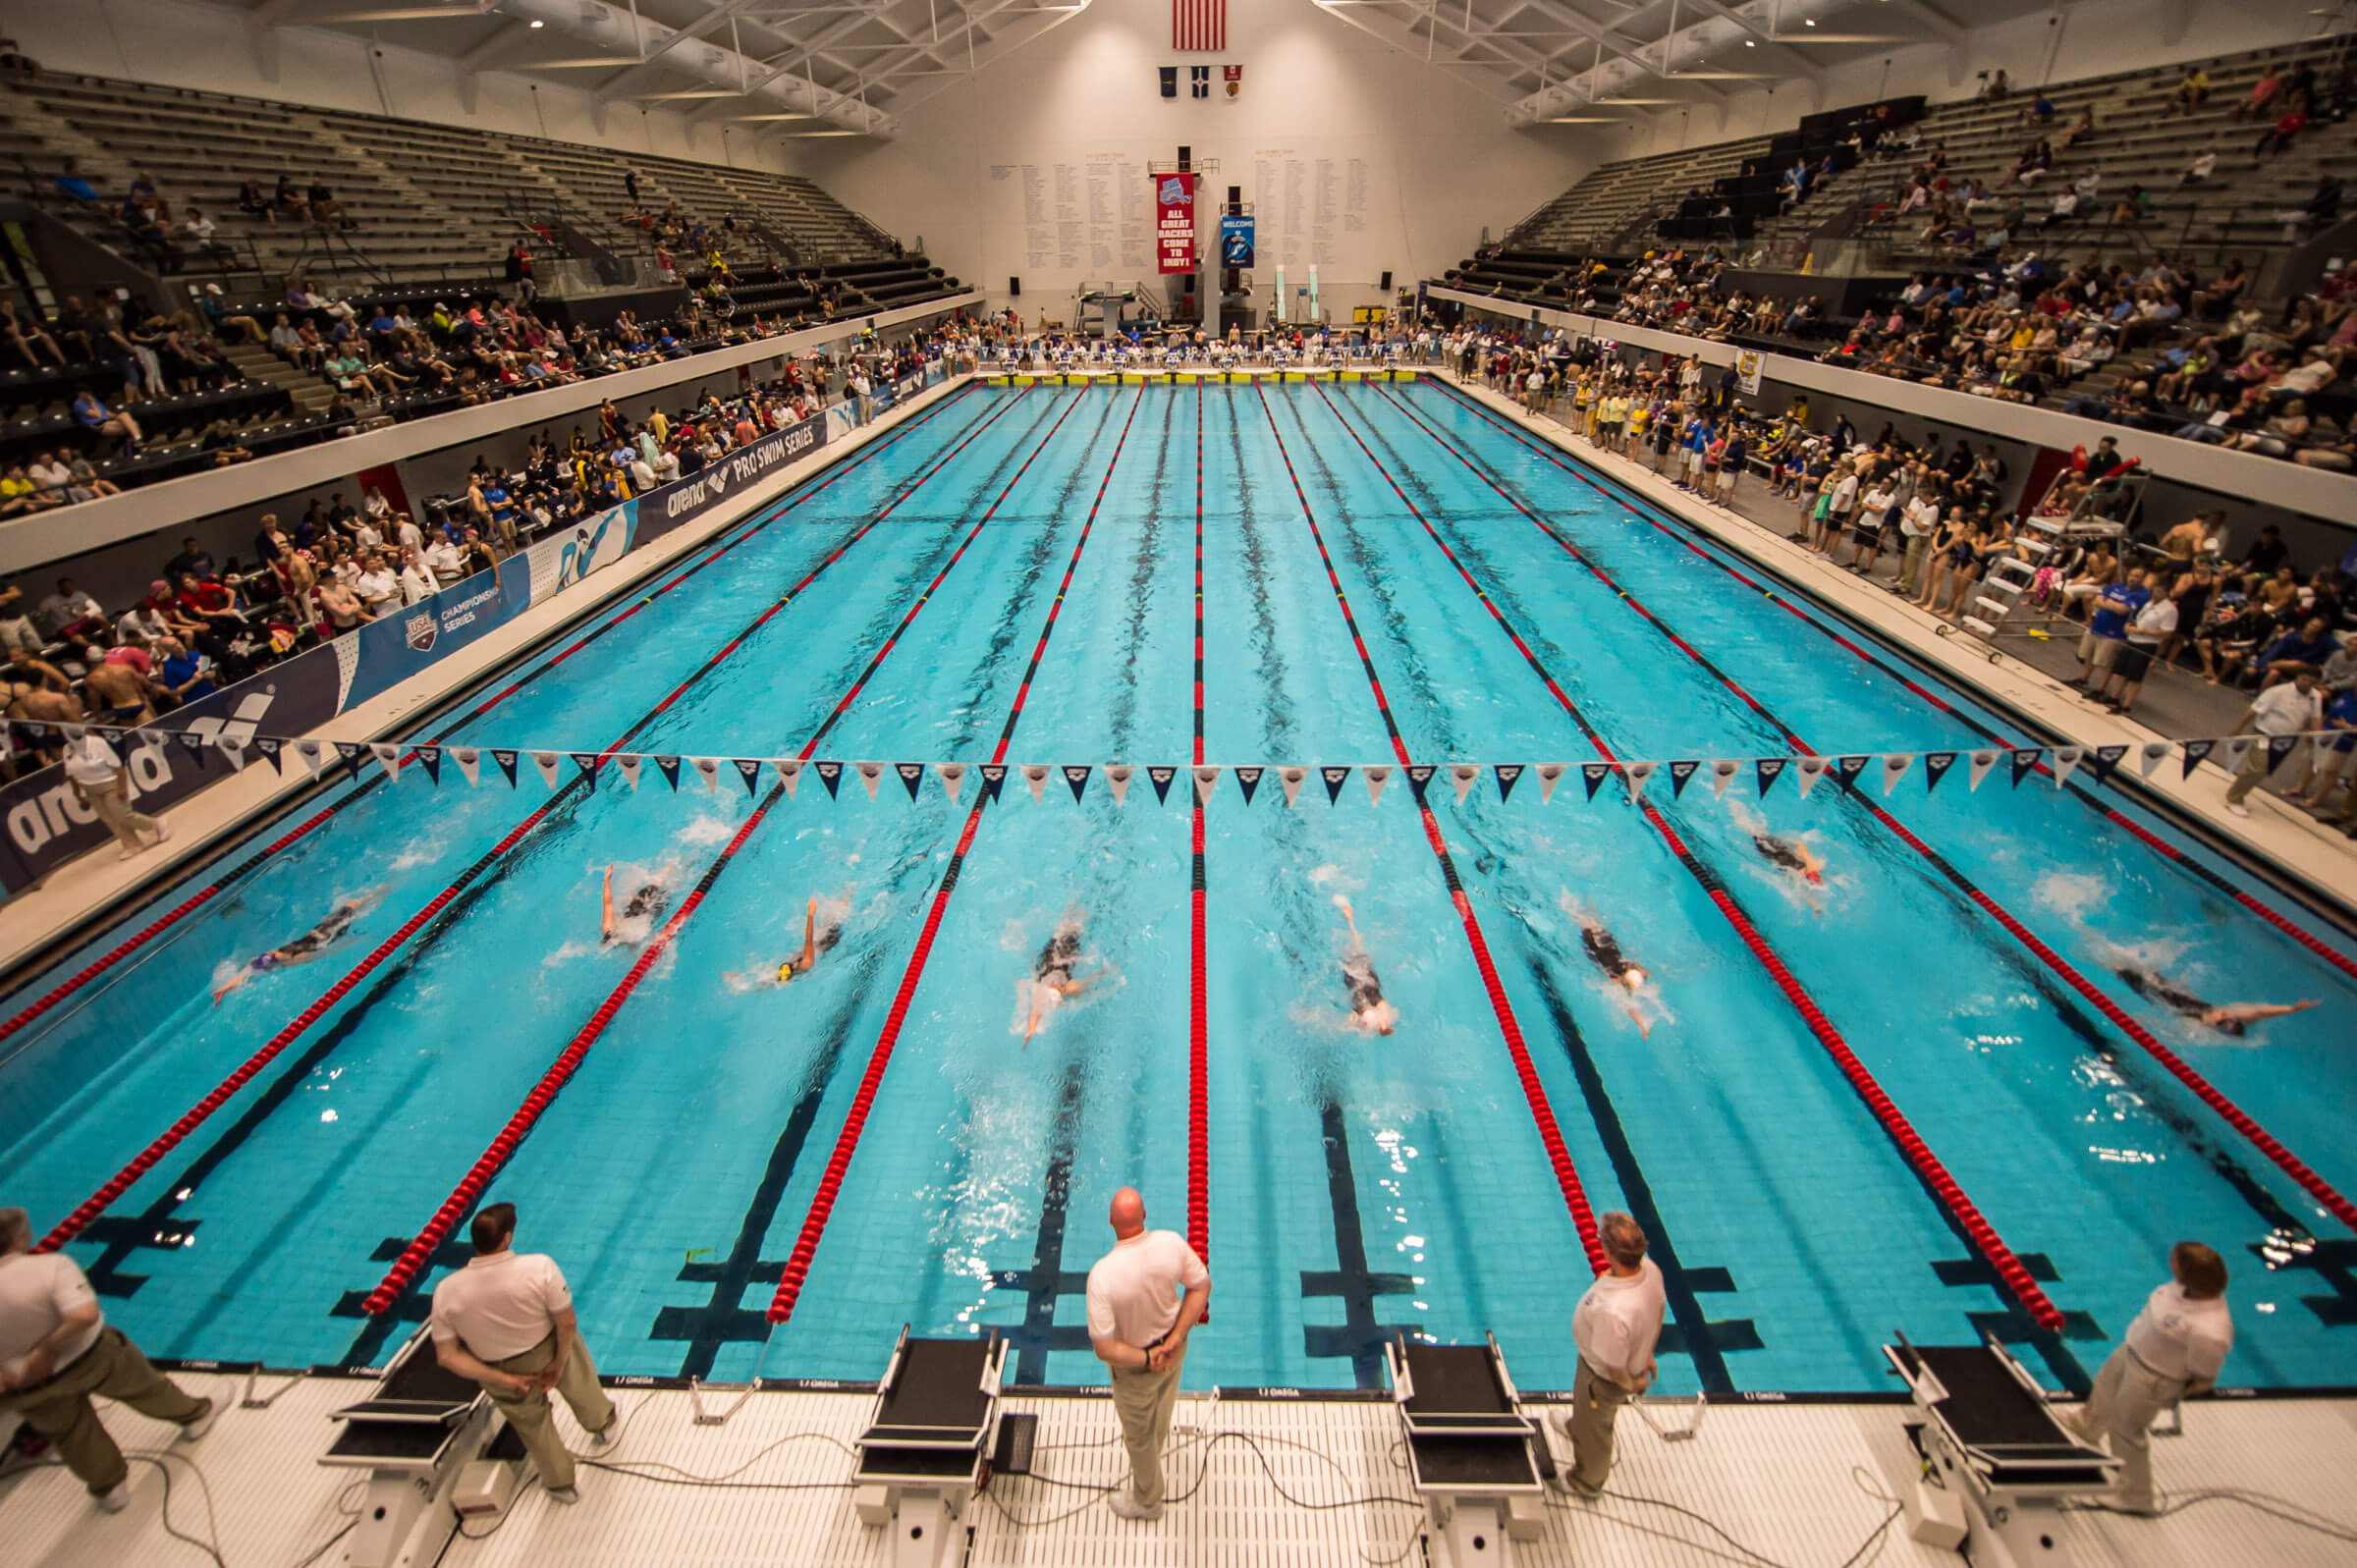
{"x": 1174, "y": 221}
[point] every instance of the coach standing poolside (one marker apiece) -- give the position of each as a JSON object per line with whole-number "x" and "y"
{"x": 1138, "y": 1321}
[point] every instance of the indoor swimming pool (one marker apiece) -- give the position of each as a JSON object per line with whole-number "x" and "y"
{"x": 1323, "y": 575}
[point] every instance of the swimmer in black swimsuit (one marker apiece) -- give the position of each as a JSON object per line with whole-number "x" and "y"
{"x": 814, "y": 942}
{"x": 2231, "y": 1019}
{"x": 1052, "y": 979}
{"x": 1370, "y": 1013}
{"x": 1604, "y": 952}
{"x": 304, "y": 948}
{"x": 1790, "y": 854}
{"x": 647, "y": 904}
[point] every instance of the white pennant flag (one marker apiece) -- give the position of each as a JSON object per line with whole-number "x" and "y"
{"x": 628, "y": 764}
{"x": 1291, "y": 778}
{"x": 869, "y": 774}
{"x": 1639, "y": 774}
{"x": 790, "y": 774}
{"x": 1206, "y": 780}
{"x": 547, "y": 762}
{"x": 953, "y": 778}
{"x": 708, "y": 768}
{"x": 1982, "y": 762}
{"x": 469, "y": 761}
{"x": 2065, "y": 759}
{"x": 1462, "y": 775}
{"x": 388, "y": 757}
{"x": 234, "y": 752}
{"x": 2155, "y": 753}
{"x": 1895, "y": 768}
{"x": 1378, "y": 775}
{"x": 1035, "y": 774}
{"x": 1810, "y": 769}
{"x": 1723, "y": 770}
{"x": 312, "y": 752}
{"x": 1117, "y": 776}
{"x": 2232, "y": 750}
{"x": 1551, "y": 774}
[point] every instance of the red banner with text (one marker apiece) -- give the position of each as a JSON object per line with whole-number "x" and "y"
{"x": 1175, "y": 222}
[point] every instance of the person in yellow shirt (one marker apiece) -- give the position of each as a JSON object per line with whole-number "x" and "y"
{"x": 1639, "y": 414}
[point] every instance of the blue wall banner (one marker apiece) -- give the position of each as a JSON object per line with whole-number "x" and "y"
{"x": 1235, "y": 239}
{"x": 404, "y": 642}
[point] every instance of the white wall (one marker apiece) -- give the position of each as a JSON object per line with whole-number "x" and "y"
{"x": 183, "y": 44}
{"x": 1436, "y": 158}
{"x": 2092, "y": 39}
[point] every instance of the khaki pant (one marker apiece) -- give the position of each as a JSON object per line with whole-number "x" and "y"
{"x": 2128, "y": 1397}
{"x": 1910, "y": 568}
{"x": 1144, "y": 1400}
{"x": 528, "y": 1413}
{"x": 2257, "y": 765}
{"x": 112, "y": 803}
{"x": 1596, "y": 1402}
{"x": 60, "y": 1409}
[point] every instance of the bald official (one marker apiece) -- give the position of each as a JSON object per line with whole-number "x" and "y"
{"x": 1144, "y": 1298}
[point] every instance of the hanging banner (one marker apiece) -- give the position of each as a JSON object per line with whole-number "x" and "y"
{"x": 1747, "y": 373}
{"x": 1235, "y": 239}
{"x": 1175, "y": 222}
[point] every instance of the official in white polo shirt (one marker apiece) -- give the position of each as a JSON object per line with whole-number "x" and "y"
{"x": 505, "y": 1321}
{"x": 1144, "y": 1298}
{"x": 56, "y": 1351}
{"x": 1616, "y": 1326}
{"x": 2174, "y": 1348}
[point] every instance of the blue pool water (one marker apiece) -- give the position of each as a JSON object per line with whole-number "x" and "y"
{"x": 1355, "y": 1186}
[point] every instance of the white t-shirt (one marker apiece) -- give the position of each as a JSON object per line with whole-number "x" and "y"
{"x": 1618, "y": 1321}
{"x": 2181, "y": 1337}
{"x": 1133, "y": 1290}
{"x": 412, "y": 537}
{"x": 91, "y": 761}
{"x": 1843, "y": 494}
{"x": 1922, "y": 517}
{"x": 502, "y": 1305}
{"x": 2285, "y": 710}
{"x": 36, "y": 1293}
{"x": 2153, "y": 622}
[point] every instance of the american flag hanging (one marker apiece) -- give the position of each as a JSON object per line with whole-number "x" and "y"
{"x": 1200, "y": 25}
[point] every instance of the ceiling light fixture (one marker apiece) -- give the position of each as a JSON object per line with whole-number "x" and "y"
{"x": 537, "y": 23}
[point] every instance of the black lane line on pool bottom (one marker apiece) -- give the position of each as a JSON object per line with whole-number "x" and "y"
{"x": 1047, "y": 1280}
{"x": 1360, "y": 1336}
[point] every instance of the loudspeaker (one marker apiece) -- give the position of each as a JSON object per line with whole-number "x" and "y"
{"x": 1015, "y": 287}
{"x": 1386, "y": 284}
{"x": 1186, "y": 159}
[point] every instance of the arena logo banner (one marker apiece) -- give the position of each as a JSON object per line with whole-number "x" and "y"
{"x": 677, "y": 505}
{"x": 407, "y": 642}
{"x": 1235, "y": 239}
{"x": 1174, "y": 221}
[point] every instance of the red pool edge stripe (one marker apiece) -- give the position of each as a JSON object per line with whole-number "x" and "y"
{"x": 1933, "y": 1175}
{"x": 197, "y": 1115}
{"x": 181, "y": 911}
{"x": 1534, "y": 1093}
{"x": 2330, "y": 1198}
{"x": 847, "y": 1142}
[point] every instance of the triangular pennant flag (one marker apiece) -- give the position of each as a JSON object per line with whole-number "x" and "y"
{"x": 1681, "y": 773}
{"x": 1596, "y": 774}
{"x": 1117, "y": 778}
{"x": 708, "y": 770}
{"x": 628, "y": 764}
{"x": 1376, "y": 775}
{"x": 1978, "y": 767}
{"x": 351, "y": 751}
{"x": 953, "y": 778}
{"x": 668, "y": 767}
{"x": 546, "y": 762}
{"x": 2107, "y": 757}
{"x": 2279, "y": 749}
{"x": 748, "y": 769}
{"x": 871, "y": 774}
{"x": 234, "y": 752}
{"x": 1723, "y": 770}
{"x": 2025, "y": 762}
{"x": 2234, "y": 749}
{"x": 1551, "y": 774}
{"x": 312, "y": 753}
{"x": 2065, "y": 759}
{"x": 1768, "y": 769}
{"x": 40, "y": 731}
{"x": 1463, "y": 775}
{"x": 430, "y": 759}
{"x": 272, "y": 747}
{"x": 507, "y": 764}
{"x": 2195, "y": 752}
{"x": 1206, "y": 780}
{"x": 1420, "y": 779}
{"x": 73, "y": 732}
{"x": 1035, "y": 774}
{"x": 1247, "y": 780}
{"x": 1076, "y": 778}
{"x": 589, "y": 762}
{"x": 1335, "y": 778}
{"x": 1935, "y": 768}
{"x": 913, "y": 777}
{"x": 790, "y": 774}
{"x": 1292, "y": 778}
{"x": 1161, "y": 779}
{"x": 1847, "y": 767}
{"x": 994, "y": 779}
{"x": 469, "y": 761}
{"x": 1810, "y": 769}
{"x": 1508, "y": 774}
{"x": 1639, "y": 774}
{"x": 830, "y": 774}
{"x": 1895, "y": 768}
{"x": 388, "y": 757}
{"x": 2152, "y": 755}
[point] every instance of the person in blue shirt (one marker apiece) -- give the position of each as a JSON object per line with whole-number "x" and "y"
{"x": 2294, "y": 651}
{"x": 2108, "y": 627}
{"x": 2331, "y": 762}
{"x": 184, "y": 672}
{"x": 100, "y": 420}
{"x": 71, "y": 184}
